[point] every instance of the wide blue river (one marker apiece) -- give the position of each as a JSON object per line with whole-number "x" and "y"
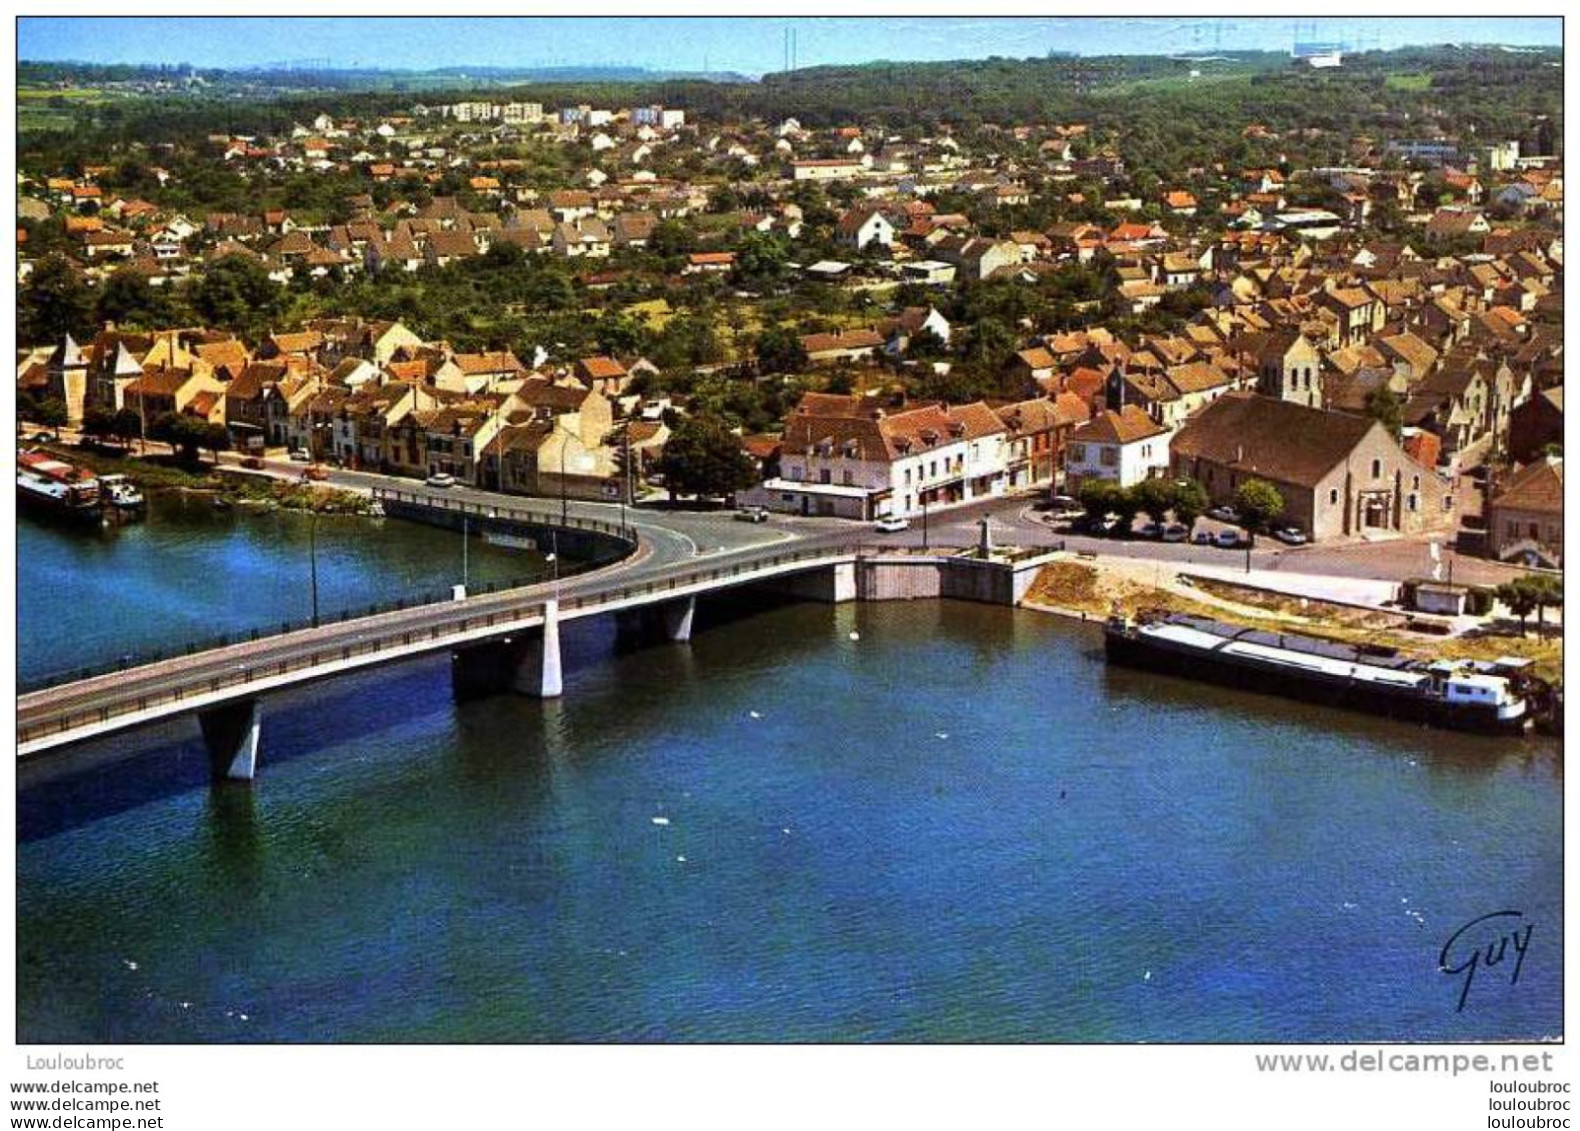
{"x": 956, "y": 825}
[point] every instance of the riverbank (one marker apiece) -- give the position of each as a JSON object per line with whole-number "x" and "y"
{"x": 165, "y": 473}
{"x": 1090, "y": 589}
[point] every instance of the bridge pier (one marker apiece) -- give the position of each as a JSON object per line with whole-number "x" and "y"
{"x": 231, "y": 733}
{"x": 833, "y": 585}
{"x": 540, "y": 671}
{"x": 678, "y": 616}
{"x": 529, "y": 664}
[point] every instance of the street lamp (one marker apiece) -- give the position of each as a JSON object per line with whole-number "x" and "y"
{"x": 312, "y": 554}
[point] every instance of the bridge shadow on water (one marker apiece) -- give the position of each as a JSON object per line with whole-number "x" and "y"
{"x": 107, "y": 777}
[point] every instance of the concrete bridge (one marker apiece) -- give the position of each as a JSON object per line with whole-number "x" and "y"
{"x": 504, "y": 641}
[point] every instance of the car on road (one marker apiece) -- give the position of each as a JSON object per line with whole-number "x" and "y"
{"x": 752, "y": 514}
{"x": 1063, "y": 506}
{"x": 46, "y": 437}
{"x": 1152, "y": 530}
{"x": 891, "y": 524}
{"x": 1224, "y": 513}
{"x": 1203, "y": 538}
{"x": 1175, "y": 532}
{"x": 252, "y": 463}
{"x": 440, "y": 479}
{"x": 299, "y": 456}
{"x": 1291, "y": 535}
{"x": 315, "y": 472}
{"x": 1227, "y": 539}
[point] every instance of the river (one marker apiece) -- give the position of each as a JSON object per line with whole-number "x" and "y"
{"x": 956, "y": 824}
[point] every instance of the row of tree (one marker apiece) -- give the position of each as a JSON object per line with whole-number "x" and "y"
{"x": 1257, "y": 502}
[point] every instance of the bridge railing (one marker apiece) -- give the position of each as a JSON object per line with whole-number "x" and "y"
{"x": 421, "y": 599}
{"x": 546, "y": 517}
{"x": 246, "y": 673}
{"x": 428, "y": 597}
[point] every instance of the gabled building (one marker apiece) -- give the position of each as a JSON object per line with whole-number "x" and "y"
{"x": 1338, "y": 474}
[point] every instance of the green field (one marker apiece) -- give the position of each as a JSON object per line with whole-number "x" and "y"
{"x": 1413, "y": 80}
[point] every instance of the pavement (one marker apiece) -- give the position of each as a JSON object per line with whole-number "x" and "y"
{"x": 676, "y": 533}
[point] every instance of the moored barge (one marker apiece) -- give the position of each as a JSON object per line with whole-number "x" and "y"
{"x": 1492, "y": 696}
{"x": 52, "y": 485}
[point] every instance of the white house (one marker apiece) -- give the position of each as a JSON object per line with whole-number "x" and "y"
{"x": 862, "y": 226}
{"x": 851, "y": 457}
{"x": 1125, "y": 446}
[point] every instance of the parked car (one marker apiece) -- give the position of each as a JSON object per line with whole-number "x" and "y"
{"x": 1152, "y": 530}
{"x": 1291, "y": 535}
{"x": 46, "y": 437}
{"x": 1224, "y": 513}
{"x": 751, "y": 514}
{"x": 1227, "y": 539}
{"x": 442, "y": 479}
{"x": 891, "y": 524}
{"x": 1203, "y": 538}
{"x": 1175, "y": 532}
{"x": 1065, "y": 505}
{"x": 252, "y": 463}
{"x": 299, "y": 456}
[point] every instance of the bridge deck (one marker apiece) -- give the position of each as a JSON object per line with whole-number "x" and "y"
{"x": 71, "y": 712}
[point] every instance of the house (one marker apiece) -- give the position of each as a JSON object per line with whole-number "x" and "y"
{"x": 1536, "y": 424}
{"x": 1038, "y": 432}
{"x": 605, "y": 374}
{"x": 841, "y": 345}
{"x": 1525, "y": 519}
{"x": 1123, "y": 447}
{"x": 1339, "y": 474}
{"x": 853, "y": 457}
{"x": 1455, "y": 223}
{"x": 913, "y": 320}
{"x": 830, "y": 169}
{"x": 863, "y": 226}
{"x": 709, "y": 262}
{"x": 1359, "y": 313}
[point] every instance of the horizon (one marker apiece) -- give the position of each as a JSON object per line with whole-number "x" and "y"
{"x": 750, "y": 46}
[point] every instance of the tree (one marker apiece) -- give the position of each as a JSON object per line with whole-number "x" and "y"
{"x": 50, "y": 412}
{"x": 1190, "y": 502}
{"x": 1549, "y": 594}
{"x": 704, "y": 458}
{"x": 760, "y": 262}
{"x": 1521, "y": 596}
{"x": 54, "y": 302}
{"x": 779, "y": 350}
{"x": 236, "y": 293}
{"x": 1384, "y": 405}
{"x": 1097, "y": 497}
{"x": 1154, "y": 497}
{"x": 186, "y": 433}
{"x": 216, "y": 438}
{"x": 128, "y": 299}
{"x": 98, "y": 423}
{"x": 127, "y": 425}
{"x": 1259, "y": 503}
{"x": 1531, "y": 593}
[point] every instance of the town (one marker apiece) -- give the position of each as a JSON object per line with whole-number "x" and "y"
{"x": 604, "y": 302}
{"x": 785, "y": 529}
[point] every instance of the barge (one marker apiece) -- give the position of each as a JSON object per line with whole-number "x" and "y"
{"x": 52, "y": 485}
{"x": 1497, "y": 696}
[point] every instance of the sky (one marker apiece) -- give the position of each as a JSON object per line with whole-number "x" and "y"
{"x": 751, "y": 46}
